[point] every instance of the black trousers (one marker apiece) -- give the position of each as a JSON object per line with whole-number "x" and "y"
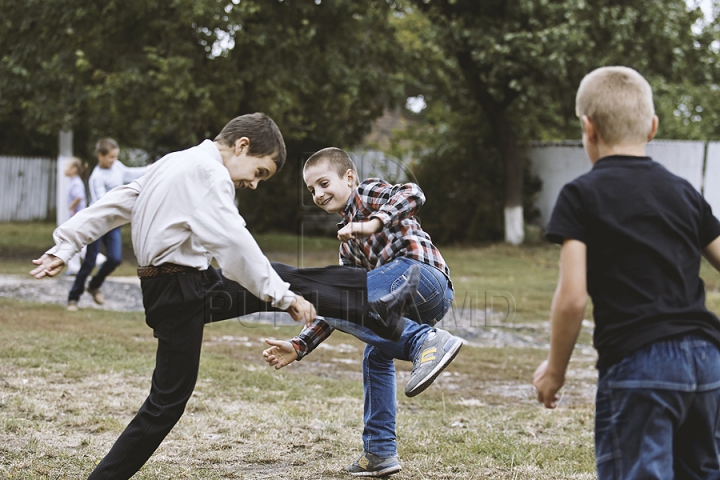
{"x": 176, "y": 308}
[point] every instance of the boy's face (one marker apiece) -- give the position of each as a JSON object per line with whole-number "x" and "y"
{"x": 329, "y": 190}
{"x": 247, "y": 171}
{"x": 106, "y": 160}
{"x": 71, "y": 170}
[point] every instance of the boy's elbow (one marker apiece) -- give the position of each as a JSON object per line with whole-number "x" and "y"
{"x": 572, "y": 303}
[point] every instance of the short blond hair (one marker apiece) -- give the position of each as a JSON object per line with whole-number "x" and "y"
{"x": 619, "y": 101}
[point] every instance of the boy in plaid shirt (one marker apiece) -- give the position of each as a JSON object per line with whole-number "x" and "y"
{"x": 380, "y": 234}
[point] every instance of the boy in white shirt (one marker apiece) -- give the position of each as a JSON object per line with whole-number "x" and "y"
{"x": 183, "y": 215}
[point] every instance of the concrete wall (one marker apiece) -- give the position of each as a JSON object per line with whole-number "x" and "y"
{"x": 711, "y": 188}
{"x": 558, "y": 163}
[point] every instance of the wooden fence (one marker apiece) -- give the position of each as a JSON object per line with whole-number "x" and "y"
{"x": 27, "y": 188}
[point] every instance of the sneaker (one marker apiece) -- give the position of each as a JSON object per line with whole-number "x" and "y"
{"x": 386, "y": 314}
{"x": 438, "y": 350}
{"x": 72, "y": 306}
{"x": 97, "y": 295}
{"x": 369, "y": 465}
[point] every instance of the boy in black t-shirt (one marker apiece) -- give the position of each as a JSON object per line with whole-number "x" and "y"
{"x": 632, "y": 236}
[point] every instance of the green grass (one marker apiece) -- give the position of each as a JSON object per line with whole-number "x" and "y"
{"x": 69, "y": 383}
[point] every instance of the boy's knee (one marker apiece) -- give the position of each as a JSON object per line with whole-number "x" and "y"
{"x": 113, "y": 262}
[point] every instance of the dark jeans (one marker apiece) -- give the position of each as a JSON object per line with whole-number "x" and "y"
{"x": 657, "y": 413}
{"x": 113, "y": 251}
{"x": 176, "y": 308}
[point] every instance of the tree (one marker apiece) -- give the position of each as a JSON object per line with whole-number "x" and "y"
{"x": 521, "y": 61}
{"x": 163, "y": 75}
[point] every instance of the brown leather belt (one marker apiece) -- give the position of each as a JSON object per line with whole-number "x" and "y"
{"x": 162, "y": 270}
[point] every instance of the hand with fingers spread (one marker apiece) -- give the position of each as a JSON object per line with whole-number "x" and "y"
{"x": 280, "y": 354}
{"x": 302, "y": 311}
{"x": 47, "y": 266}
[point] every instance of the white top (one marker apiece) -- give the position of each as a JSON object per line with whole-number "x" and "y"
{"x": 182, "y": 211}
{"x": 102, "y": 180}
{"x": 76, "y": 190}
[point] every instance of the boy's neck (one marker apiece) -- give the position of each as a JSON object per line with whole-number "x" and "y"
{"x": 628, "y": 150}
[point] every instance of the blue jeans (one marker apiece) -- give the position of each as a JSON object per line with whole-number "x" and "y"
{"x": 432, "y": 301}
{"x": 113, "y": 251}
{"x": 657, "y": 412}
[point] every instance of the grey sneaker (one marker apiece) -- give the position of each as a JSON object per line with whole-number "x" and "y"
{"x": 97, "y": 295}
{"x": 72, "y": 306}
{"x": 438, "y": 350}
{"x": 369, "y": 465}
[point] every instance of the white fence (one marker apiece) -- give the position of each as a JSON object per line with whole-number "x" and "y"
{"x": 27, "y": 188}
{"x": 558, "y": 163}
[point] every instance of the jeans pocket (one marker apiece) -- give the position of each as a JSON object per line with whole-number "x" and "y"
{"x": 427, "y": 288}
{"x": 604, "y": 451}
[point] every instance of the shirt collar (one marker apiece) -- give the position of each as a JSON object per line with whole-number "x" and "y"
{"x": 212, "y": 149}
{"x": 349, "y": 210}
{"x": 621, "y": 161}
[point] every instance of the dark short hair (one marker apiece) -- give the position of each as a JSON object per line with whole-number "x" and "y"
{"x": 105, "y": 146}
{"x": 336, "y": 158}
{"x": 264, "y": 135}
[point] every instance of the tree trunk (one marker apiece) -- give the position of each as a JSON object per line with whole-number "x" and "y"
{"x": 514, "y": 178}
{"x": 65, "y": 153}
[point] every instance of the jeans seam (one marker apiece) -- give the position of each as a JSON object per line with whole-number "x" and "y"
{"x": 616, "y": 459}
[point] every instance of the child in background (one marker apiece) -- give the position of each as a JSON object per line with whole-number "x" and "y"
{"x": 633, "y": 236}
{"x": 76, "y": 201}
{"x": 108, "y": 174}
{"x": 75, "y": 171}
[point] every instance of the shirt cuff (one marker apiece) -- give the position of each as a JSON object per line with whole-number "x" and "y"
{"x": 285, "y": 302}
{"x": 300, "y": 348}
{"x": 64, "y": 252}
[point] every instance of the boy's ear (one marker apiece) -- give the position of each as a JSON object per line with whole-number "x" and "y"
{"x": 654, "y": 128}
{"x": 241, "y": 144}
{"x": 351, "y": 177}
{"x": 588, "y": 129}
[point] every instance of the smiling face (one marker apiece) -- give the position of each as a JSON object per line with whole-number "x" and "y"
{"x": 106, "y": 160}
{"x": 246, "y": 170}
{"x": 330, "y": 191}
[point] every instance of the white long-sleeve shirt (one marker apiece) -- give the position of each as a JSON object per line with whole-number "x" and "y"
{"x": 102, "y": 180}
{"x": 182, "y": 211}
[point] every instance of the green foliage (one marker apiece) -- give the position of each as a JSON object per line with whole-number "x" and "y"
{"x": 164, "y": 75}
{"x": 497, "y": 73}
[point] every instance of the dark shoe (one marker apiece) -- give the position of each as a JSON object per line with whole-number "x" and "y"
{"x": 438, "y": 350}
{"x": 97, "y": 295}
{"x": 386, "y": 314}
{"x": 369, "y": 465}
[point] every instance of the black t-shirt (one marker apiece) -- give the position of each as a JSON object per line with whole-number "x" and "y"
{"x": 645, "y": 229}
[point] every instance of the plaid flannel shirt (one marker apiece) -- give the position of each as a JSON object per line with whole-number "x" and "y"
{"x": 401, "y": 236}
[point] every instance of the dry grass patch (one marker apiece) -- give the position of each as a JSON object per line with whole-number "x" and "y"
{"x": 70, "y": 383}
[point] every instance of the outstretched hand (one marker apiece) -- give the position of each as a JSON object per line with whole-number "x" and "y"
{"x": 47, "y": 266}
{"x": 280, "y": 354}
